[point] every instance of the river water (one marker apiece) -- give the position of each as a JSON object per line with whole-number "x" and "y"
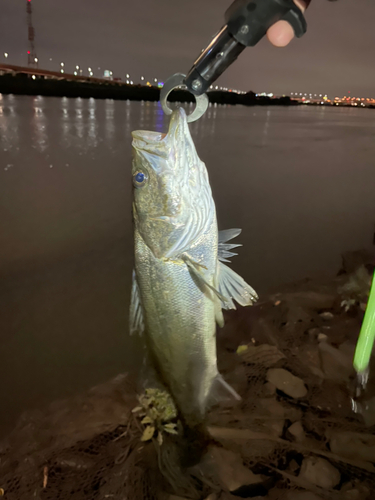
{"x": 299, "y": 181}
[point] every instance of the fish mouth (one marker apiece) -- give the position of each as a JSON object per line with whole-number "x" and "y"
{"x": 148, "y": 136}
{"x": 157, "y": 142}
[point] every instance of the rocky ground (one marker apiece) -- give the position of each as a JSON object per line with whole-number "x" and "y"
{"x": 296, "y": 434}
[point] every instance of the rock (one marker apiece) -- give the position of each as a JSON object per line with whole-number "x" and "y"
{"x": 226, "y": 467}
{"x": 287, "y": 383}
{"x": 212, "y": 496}
{"x": 275, "y": 427}
{"x": 354, "y": 490}
{"x": 297, "y": 432}
{"x": 269, "y": 389}
{"x": 319, "y": 472}
{"x": 313, "y": 333}
{"x": 326, "y": 316}
{"x": 353, "y": 445}
{"x": 265, "y": 354}
{"x": 335, "y": 364}
{"x": 322, "y": 337}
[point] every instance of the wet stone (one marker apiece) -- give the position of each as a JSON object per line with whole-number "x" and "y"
{"x": 326, "y": 316}
{"x": 287, "y": 382}
{"x": 297, "y": 432}
{"x": 319, "y": 472}
{"x": 269, "y": 389}
{"x": 227, "y": 467}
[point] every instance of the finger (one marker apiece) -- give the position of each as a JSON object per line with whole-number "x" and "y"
{"x": 281, "y": 33}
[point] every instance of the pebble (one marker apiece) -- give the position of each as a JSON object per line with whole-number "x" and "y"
{"x": 296, "y": 430}
{"x": 269, "y": 389}
{"x": 320, "y": 472}
{"x": 313, "y": 333}
{"x": 322, "y": 337}
{"x": 287, "y": 382}
{"x": 326, "y": 316}
{"x": 228, "y": 468}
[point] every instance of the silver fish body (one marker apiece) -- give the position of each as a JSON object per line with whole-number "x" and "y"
{"x": 180, "y": 285}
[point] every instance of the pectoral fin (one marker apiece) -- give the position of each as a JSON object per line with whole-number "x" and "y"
{"x": 230, "y": 284}
{"x": 196, "y": 271}
{"x": 136, "y": 322}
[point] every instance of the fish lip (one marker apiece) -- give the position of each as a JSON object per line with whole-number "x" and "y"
{"x": 143, "y": 139}
{"x": 148, "y": 136}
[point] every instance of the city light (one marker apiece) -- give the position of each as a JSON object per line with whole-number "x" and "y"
{"x": 61, "y": 70}
{"x": 77, "y": 67}
{"x": 6, "y": 54}
{"x": 142, "y": 78}
{"x": 127, "y": 75}
{"x": 75, "y": 73}
{"x": 131, "y": 82}
{"x": 155, "y": 80}
{"x": 89, "y": 69}
{"x": 62, "y": 64}
{"x": 35, "y": 59}
{"x": 33, "y": 77}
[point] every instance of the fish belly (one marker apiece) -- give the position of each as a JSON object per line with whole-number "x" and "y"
{"x": 180, "y": 330}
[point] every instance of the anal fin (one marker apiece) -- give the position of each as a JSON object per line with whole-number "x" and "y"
{"x": 222, "y": 391}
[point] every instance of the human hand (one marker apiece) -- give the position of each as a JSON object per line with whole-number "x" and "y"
{"x": 281, "y": 33}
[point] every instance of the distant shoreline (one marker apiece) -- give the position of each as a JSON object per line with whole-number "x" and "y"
{"x": 24, "y": 84}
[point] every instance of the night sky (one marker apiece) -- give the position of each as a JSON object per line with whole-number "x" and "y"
{"x": 158, "y": 38}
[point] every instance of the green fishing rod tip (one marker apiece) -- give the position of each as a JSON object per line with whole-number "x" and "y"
{"x": 366, "y": 337}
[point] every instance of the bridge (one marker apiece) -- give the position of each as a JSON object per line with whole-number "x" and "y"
{"x": 35, "y": 73}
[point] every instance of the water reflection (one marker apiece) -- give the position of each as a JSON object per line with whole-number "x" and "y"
{"x": 265, "y": 127}
{"x": 92, "y": 124}
{"x": 79, "y": 125}
{"x": 109, "y": 119}
{"x": 9, "y": 131}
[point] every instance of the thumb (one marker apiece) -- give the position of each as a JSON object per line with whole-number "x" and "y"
{"x": 281, "y": 33}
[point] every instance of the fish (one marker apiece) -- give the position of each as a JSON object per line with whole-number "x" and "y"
{"x": 181, "y": 283}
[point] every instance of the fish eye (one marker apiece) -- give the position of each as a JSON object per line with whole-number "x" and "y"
{"x": 139, "y": 179}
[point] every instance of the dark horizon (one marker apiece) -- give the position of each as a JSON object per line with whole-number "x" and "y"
{"x": 156, "y": 40}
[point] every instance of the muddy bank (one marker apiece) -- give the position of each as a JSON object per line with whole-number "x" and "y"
{"x": 293, "y": 436}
